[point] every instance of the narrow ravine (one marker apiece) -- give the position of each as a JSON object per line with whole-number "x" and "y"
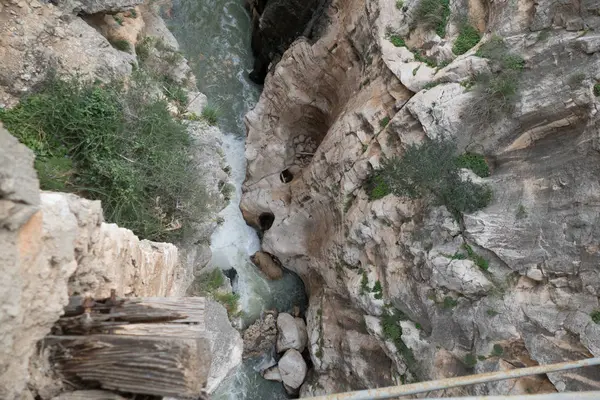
{"x": 214, "y": 36}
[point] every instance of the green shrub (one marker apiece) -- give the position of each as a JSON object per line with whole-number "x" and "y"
{"x": 470, "y": 360}
{"x": 430, "y": 170}
{"x": 399, "y": 4}
{"x": 392, "y": 331}
{"x": 434, "y": 14}
{"x": 597, "y": 89}
{"x": 543, "y": 35}
{"x": 431, "y": 85}
{"x": 377, "y": 188}
{"x": 476, "y": 258}
{"x": 118, "y": 19}
{"x": 143, "y": 47}
{"x": 210, "y": 114}
{"x": 384, "y": 122}
{"x": 397, "y": 41}
{"x": 123, "y": 147}
{"x": 576, "y": 78}
{"x": 229, "y": 300}
{"x": 513, "y": 62}
{"x": 390, "y": 326}
{"x": 364, "y": 283}
{"x": 430, "y": 62}
{"x": 495, "y": 96}
{"x": 521, "y": 212}
{"x": 208, "y": 283}
{"x": 596, "y": 316}
{"x": 474, "y": 162}
{"x": 498, "y": 52}
{"x": 449, "y": 303}
{"x": 122, "y": 45}
{"x": 418, "y": 326}
{"x": 467, "y": 38}
{"x": 491, "y": 312}
{"x": 497, "y": 350}
{"x": 458, "y": 256}
{"x": 133, "y": 13}
{"x": 377, "y": 290}
{"x": 481, "y": 358}
{"x": 176, "y": 93}
{"x": 493, "y": 49}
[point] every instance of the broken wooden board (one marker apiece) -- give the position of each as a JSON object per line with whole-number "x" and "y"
{"x": 155, "y": 346}
{"x": 101, "y": 319}
{"x": 89, "y": 395}
{"x": 155, "y": 365}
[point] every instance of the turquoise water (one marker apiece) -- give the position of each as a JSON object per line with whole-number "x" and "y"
{"x": 214, "y": 36}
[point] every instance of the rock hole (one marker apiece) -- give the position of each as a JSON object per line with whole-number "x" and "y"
{"x": 286, "y": 176}
{"x": 265, "y": 220}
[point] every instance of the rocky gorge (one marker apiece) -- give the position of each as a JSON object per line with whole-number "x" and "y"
{"x": 402, "y": 286}
{"x": 512, "y": 284}
{"x": 57, "y": 245}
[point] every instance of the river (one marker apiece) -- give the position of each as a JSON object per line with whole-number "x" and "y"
{"x": 214, "y": 35}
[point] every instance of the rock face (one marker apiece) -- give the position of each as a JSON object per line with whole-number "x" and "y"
{"x": 38, "y": 37}
{"x": 359, "y": 99}
{"x": 291, "y": 333}
{"x": 275, "y": 25}
{"x": 106, "y": 6}
{"x": 56, "y": 245}
{"x": 272, "y": 374}
{"x": 292, "y": 369}
{"x": 261, "y": 336}
{"x": 344, "y": 355}
{"x": 267, "y": 265}
{"x": 226, "y": 344}
{"x": 111, "y": 257}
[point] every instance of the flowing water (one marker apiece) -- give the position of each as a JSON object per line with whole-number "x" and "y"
{"x": 215, "y": 37}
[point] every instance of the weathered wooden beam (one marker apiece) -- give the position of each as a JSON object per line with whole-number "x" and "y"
{"x": 101, "y": 317}
{"x": 89, "y": 395}
{"x": 154, "y": 364}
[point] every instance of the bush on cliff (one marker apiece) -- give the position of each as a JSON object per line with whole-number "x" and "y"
{"x": 432, "y": 170}
{"x": 115, "y": 145}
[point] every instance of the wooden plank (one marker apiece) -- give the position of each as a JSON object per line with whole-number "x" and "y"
{"x": 100, "y": 318}
{"x": 162, "y": 366}
{"x": 162, "y": 330}
{"x": 191, "y": 307}
{"x": 89, "y": 395}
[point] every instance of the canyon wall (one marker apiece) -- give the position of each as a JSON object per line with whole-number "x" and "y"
{"x": 334, "y": 108}
{"x": 55, "y": 244}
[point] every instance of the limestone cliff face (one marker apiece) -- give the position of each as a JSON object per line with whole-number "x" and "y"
{"x": 55, "y": 245}
{"x": 317, "y": 133}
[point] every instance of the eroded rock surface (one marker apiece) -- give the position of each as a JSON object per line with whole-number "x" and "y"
{"x": 291, "y": 333}
{"x": 261, "y": 336}
{"x": 56, "y": 245}
{"x": 359, "y": 98}
{"x": 292, "y": 369}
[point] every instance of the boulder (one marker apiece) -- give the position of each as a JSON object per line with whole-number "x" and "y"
{"x": 272, "y": 374}
{"x": 105, "y": 6}
{"x": 292, "y": 333}
{"x": 226, "y": 344}
{"x": 267, "y": 265}
{"x": 292, "y": 368}
{"x": 260, "y": 337}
